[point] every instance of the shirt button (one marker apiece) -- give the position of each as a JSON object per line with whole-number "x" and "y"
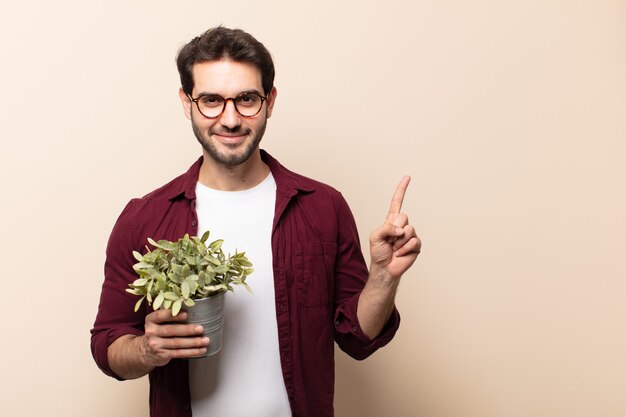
{"x": 338, "y": 323}
{"x": 354, "y": 329}
{"x": 193, "y": 223}
{"x": 186, "y": 406}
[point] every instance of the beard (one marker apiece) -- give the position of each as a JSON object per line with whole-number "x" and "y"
{"x": 239, "y": 154}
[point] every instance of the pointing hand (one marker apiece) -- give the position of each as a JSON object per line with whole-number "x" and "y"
{"x": 394, "y": 246}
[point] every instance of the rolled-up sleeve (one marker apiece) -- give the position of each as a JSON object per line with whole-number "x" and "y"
{"x": 116, "y": 316}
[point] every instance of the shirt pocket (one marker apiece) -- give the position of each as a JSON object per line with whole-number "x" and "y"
{"x": 315, "y": 273}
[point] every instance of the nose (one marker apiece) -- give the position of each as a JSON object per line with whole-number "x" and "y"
{"x": 230, "y": 116}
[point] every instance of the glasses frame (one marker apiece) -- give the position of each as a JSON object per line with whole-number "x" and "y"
{"x": 226, "y": 100}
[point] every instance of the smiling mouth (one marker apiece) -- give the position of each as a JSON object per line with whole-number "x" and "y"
{"x": 230, "y": 138}
{"x": 229, "y": 135}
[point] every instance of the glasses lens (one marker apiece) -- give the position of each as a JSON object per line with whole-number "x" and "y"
{"x": 211, "y": 105}
{"x": 248, "y": 104}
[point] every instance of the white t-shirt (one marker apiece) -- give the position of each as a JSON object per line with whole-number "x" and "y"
{"x": 245, "y": 378}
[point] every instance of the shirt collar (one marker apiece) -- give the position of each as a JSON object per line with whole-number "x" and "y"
{"x": 287, "y": 182}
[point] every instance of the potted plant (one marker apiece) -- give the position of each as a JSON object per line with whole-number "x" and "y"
{"x": 189, "y": 274}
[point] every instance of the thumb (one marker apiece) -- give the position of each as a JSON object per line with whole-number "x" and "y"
{"x": 388, "y": 232}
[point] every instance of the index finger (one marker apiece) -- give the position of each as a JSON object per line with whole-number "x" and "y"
{"x": 397, "y": 199}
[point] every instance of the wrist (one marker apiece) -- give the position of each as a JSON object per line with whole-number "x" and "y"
{"x": 380, "y": 279}
{"x": 126, "y": 357}
{"x": 376, "y": 302}
{"x": 142, "y": 352}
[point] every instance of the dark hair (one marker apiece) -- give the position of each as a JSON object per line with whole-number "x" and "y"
{"x": 224, "y": 43}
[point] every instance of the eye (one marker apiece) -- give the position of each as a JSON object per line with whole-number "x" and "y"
{"x": 248, "y": 100}
{"x": 211, "y": 100}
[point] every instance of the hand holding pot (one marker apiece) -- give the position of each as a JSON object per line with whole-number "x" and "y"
{"x": 168, "y": 337}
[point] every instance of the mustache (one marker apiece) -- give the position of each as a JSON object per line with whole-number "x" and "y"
{"x": 235, "y": 131}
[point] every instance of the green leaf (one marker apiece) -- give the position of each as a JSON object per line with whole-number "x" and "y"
{"x": 176, "y": 307}
{"x": 138, "y": 304}
{"x": 189, "y": 302}
{"x": 222, "y": 269}
{"x": 216, "y": 288}
{"x": 140, "y": 282}
{"x": 205, "y": 236}
{"x": 185, "y": 289}
{"x": 244, "y": 262}
{"x": 137, "y": 256}
{"x": 172, "y": 296}
{"x": 176, "y": 269}
{"x": 216, "y": 245}
{"x": 202, "y": 277}
{"x": 142, "y": 265}
{"x": 213, "y": 260}
{"x": 186, "y": 270}
{"x": 166, "y": 245}
{"x": 158, "y": 300}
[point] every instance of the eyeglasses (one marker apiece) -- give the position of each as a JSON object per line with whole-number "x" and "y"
{"x": 212, "y": 106}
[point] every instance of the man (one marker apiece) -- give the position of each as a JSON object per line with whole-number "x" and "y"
{"x": 311, "y": 285}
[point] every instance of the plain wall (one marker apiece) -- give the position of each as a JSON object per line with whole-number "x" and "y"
{"x": 509, "y": 115}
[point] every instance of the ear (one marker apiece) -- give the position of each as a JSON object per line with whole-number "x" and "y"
{"x": 271, "y": 99}
{"x": 184, "y": 98}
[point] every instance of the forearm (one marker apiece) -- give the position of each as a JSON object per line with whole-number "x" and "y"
{"x": 127, "y": 358}
{"x": 376, "y": 302}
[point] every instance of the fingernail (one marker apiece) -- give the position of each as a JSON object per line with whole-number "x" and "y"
{"x": 399, "y": 231}
{"x": 199, "y": 329}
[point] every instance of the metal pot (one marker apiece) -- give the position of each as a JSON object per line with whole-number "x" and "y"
{"x": 209, "y": 312}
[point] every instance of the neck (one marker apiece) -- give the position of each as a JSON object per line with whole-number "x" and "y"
{"x": 236, "y": 178}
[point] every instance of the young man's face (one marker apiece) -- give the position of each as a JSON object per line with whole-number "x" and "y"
{"x": 229, "y": 139}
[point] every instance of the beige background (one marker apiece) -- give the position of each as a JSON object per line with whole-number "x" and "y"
{"x": 510, "y": 116}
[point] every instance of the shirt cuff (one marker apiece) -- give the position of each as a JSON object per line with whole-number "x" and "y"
{"x": 350, "y": 336}
{"x": 100, "y": 346}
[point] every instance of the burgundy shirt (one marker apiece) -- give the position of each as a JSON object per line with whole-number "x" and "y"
{"x": 319, "y": 272}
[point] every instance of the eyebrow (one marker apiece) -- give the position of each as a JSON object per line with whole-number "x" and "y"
{"x": 252, "y": 90}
